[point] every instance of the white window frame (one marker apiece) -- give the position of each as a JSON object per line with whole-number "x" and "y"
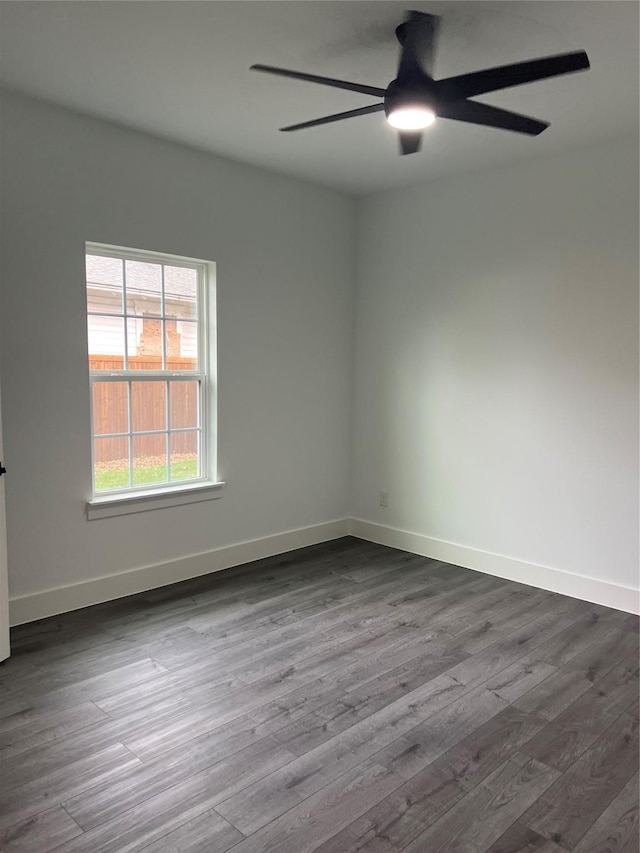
{"x": 144, "y": 497}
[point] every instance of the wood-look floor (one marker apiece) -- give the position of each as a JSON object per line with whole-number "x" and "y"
{"x": 345, "y": 697}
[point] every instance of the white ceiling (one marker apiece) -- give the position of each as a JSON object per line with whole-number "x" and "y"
{"x": 181, "y": 70}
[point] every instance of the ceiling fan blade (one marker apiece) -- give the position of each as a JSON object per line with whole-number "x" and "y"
{"x": 504, "y": 76}
{"x": 410, "y": 141}
{"x": 324, "y": 81}
{"x": 363, "y": 111}
{"x": 418, "y": 36}
{"x": 475, "y": 113}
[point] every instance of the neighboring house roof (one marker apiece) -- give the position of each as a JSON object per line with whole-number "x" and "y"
{"x": 105, "y": 273}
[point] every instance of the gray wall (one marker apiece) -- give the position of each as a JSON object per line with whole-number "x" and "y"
{"x": 285, "y": 273}
{"x": 496, "y": 367}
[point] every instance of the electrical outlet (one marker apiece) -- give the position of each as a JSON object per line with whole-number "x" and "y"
{"x": 384, "y": 498}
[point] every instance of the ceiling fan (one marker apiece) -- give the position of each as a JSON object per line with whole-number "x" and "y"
{"x": 412, "y": 101}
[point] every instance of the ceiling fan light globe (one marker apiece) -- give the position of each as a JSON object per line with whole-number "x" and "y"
{"x": 411, "y": 118}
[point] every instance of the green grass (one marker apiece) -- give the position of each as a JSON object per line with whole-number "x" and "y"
{"x": 185, "y": 469}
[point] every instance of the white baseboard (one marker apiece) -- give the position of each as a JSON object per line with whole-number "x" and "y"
{"x": 555, "y": 580}
{"x": 28, "y": 608}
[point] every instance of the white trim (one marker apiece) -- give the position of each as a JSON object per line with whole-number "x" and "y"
{"x": 5, "y": 643}
{"x": 544, "y": 577}
{"x": 113, "y": 504}
{"x": 28, "y": 608}
{"x": 39, "y": 605}
{"x": 205, "y": 376}
{"x": 107, "y": 250}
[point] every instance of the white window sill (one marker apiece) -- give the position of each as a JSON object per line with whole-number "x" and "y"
{"x": 107, "y": 506}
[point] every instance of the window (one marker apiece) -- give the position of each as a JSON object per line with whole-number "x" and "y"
{"x": 150, "y": 331}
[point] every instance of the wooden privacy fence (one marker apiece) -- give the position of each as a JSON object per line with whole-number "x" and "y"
{"x": 148, "y": 409}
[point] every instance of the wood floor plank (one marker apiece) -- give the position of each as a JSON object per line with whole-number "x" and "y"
{"x": 20, "y": 705}
{"x": 607, "y": 651}
{"x": 617, "y": 824}
{"x": 387, "y": 827}
{"x": 36, "y": 763}
{"x": 18, "y": 670}
{"x": 496, "y": 657}
{"x": 207, "y": 833}
{"x": 229, "y": 615}
{"x": 219, "y": 768}
{"x": 352, "y": 673}
{"x": 144, "y": 824}
{"x": 252, "y": 710}
{"x": 572, "y": 805}
{"x": 271, "y": 661}
{"x": 135, "y": 698}
{"x": 632, "y": 845}
{"x": 218, "y": 605}
{"x": 469, "y": 610}
{"x": 481, "y": 817}
{"x": 40, "y": 833}
{"x": 557, "y": 692}
{"x": 518, "y": 679}
{"x": 504, "y": 620}
{"x": 407, "y": 812}
{"x": 411, "y": 753}
{"x": 577, "y": 638}
{"x": 428, "y": 740}
{"x": 181, "y": 643}
{"x": 221, "y": 617}
{"x": 25, "y": 801}
{"x": 362, "y": 570}
{"x": 364, "y": 604}
{"x": 371, "y": 608}
{"x": 303, "y": 828}
{"x": 270, "y": 575}
{"x": 258, "y": 637}
{"x": 320, "y": 726}
{"x": 79, "y": 665}
{"x": 177, "y": 720}
{"x": 217, "y": 708}
{"x": 48, "y": 728}
{"x": 129, "y": 699}
{"x": 562, "y": 741}
{"x": 271, "y": 797}
{"x": 76, "y": 628}
{"x": 520, "y": 839}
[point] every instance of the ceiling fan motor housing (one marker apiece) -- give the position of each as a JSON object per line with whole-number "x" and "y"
{"x": 415, "y": 95}
{"x": 401, "y": 33}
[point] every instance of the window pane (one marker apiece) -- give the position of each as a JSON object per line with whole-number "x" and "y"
{"x": 144, "y": 339}
{"x": 106, "y": 343}
{"x": 110, "y": 407}
{"x": 148, "y": 406}
{"x": 143, "y": 305}
{"x": 184, "y": 404}
{"x": 144, "y": 288}
{"x": 180, "y": 292}
{"x": 181, "y": 344}
{"x": 184, "y": 455}
{"x": 104, "y": 300}
{"x": 104, "y": 271}
{"x": 111, "y": 463}
{"x": 104, "y": 284}
{"x": 149, "y": 459}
